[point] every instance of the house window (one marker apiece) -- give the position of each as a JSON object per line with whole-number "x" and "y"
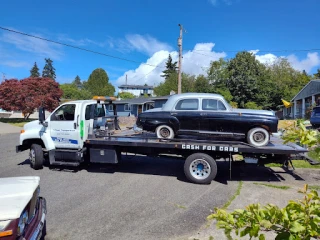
{"x": 127, "y": 107}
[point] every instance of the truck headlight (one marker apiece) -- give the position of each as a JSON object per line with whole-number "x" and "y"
{"x": 22, "y": 222}
{"x": 3, "y": 225}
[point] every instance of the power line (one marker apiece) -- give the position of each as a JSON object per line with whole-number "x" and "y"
{"x": 263, "y": 51}
{"x": 72, "y": 46}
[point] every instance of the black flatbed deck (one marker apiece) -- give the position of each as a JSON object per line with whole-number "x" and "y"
{"x": 141, "y": 143}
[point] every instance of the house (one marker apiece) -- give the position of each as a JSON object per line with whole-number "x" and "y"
{"x": 137, "y": 90}
{"x": 308, "y": 96}
{"x": 132, "y": 107}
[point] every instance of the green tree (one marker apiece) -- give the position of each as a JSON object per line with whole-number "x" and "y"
{"x": 218, "y": 76}
{"x": 34, "y": 72}
{"x": 126, "y": 95}
{"x": 284, "y": 82}
{"x": 70, "y": 91}
{"x": 317, "y": 74}
{"x": 187, "y": 83}
{"x": 98, "y": 83}
{"x": 170, "y": 83}
{"x": 245, "y": 72}
{"x": 171, "y": 67}
{"x": 77, "y": 82}
{"x": 201, "y": 84}
{"x": 48, "y": 69}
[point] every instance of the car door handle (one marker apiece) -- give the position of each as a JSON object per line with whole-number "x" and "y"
{"x": 173, "y": 114}
{"x": 78, "y": 120}
{"x": 75, "y": 125}
{"x": 203, "y": 114}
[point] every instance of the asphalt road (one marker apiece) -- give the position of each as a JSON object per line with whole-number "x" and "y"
{"x": 142, "y": 198}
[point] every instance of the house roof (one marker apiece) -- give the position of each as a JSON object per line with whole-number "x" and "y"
{"x": 137, "y": 101}
{"x": 315, "y": 81}
{"x": 135, "y": 86}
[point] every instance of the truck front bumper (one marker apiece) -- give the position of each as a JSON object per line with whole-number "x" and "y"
{"x": 21, "y": 148}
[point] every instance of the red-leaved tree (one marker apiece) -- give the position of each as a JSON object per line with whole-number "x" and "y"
{"x": 29, "y": 94}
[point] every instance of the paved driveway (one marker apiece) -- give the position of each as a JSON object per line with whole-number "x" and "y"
{"x": 143, "y": 198}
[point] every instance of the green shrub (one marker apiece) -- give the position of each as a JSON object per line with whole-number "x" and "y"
{"x": 298, "y": 220}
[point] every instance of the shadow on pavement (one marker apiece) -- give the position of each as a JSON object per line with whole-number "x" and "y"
{"x": 173, "y": 167}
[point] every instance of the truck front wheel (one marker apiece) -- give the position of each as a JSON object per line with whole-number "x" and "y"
{"x": 200, "y": 168}
{"x": 36, "y": 156}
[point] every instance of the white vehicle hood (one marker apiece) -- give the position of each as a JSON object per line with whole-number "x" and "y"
{"x": 15, "y": 194}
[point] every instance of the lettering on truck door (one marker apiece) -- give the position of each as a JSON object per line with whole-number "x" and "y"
{"x": 64, "y": 128}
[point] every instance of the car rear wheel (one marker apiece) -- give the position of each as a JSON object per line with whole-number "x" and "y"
{"x": 258, "y": 137}
{"x": 164, "y": 131}
{"x": 36, "y": 156}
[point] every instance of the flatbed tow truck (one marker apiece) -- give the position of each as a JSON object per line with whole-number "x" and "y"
{"x": 85, "y": 132}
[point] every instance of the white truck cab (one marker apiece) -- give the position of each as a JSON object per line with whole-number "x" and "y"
{"x": 63, "y": 133}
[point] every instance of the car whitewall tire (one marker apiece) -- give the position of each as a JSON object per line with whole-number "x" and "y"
{"x": 164, "y": 131}
{"x": 258, "y": 137}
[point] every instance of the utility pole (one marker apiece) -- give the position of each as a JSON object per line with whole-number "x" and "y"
{"x": 126, "y": 79}
{"x": 180, "y": 59}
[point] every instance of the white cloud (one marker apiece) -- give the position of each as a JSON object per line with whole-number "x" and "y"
{"x": 194, "y": 62}
{"x": 16, "y": 64}
{"x": 312, "y": 60}
{"x": 32, "y": 45}
{"x": 216, "y": 2}
{"x": 140, "y": 43}
{"x": 81, "y": 42}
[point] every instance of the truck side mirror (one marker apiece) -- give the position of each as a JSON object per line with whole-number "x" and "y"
{"x": 42, "y": 116}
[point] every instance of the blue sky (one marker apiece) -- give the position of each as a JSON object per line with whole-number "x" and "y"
{"x": 146, "y": 31}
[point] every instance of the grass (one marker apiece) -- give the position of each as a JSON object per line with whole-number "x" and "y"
{"x": 296, "y": 164}
{"x": 227, "y": 204}
{"x": 19, "y": 122}
{"x": 314, "y": 187}
{"x": 273, "y": 186}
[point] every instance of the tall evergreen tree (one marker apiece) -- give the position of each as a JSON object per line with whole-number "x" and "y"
{"x": 171, "y": 67}
{"x": 77, "y": 82}
{"x": 34, "y": 72}
{"x": 98, "y": 83}
{"x": 317, "y": 75}
{"x": 48, "y": 70}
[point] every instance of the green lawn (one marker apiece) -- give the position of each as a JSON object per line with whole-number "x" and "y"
{"x": 19, "y": 122}
{"x": 296, "y": 164}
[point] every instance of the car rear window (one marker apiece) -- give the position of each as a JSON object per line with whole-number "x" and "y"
{"x": 187, "y": 104}
{"x": 212, "y": 104}
{"x": 316, "y": 110}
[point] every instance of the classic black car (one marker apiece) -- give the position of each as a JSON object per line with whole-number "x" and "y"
{"x": 204, "y": 113}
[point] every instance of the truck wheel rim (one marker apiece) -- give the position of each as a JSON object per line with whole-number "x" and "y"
{"x": 32, "y": 156}
{"x": 200, "y": 169}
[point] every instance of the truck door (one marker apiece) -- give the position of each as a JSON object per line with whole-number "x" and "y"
{"x": 64, "y": 127}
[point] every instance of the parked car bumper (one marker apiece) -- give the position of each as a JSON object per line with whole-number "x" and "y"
{"x": 36, "y": 228}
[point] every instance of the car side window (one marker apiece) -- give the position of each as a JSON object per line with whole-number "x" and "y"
{"x": 187, "y": 104}
{"x": 87, "y": 114}
{"x": 64, "y": 113}
{"x": 213, "y": 105}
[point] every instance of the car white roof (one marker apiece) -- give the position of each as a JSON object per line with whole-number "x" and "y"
{"x": 15, "y": 194}
{"x": 176, "y": 97}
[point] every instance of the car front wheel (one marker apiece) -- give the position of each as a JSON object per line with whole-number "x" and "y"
{"x": 164, "y": 131}
{"x": 36, "y": 156}
{"x": 258, "y": 137}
